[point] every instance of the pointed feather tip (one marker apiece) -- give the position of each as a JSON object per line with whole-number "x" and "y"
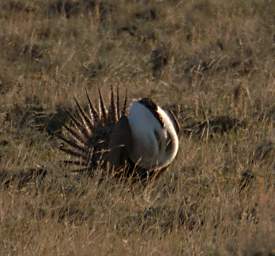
{"x": 78, "y": 125}
{"x": 87, "y": 121}
{"x": 112, "y": 115}
{"x": 102, "y": 106}
{"x": 94, "y": 115}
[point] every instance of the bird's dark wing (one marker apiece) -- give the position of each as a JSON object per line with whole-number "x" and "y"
{"x": 120, "y": 143}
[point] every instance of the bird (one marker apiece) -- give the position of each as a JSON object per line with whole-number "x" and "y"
{"x": 139, "y": 140}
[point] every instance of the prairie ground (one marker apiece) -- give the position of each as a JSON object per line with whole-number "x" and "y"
{"x": 212, "y": 62}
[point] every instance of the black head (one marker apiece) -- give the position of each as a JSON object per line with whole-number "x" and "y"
{"x": 153, "y": 107}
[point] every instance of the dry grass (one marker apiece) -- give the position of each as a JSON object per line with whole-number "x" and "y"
{"x": 213, "y": 59}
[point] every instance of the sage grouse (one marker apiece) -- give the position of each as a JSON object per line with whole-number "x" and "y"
{"x": 139, "y": 140}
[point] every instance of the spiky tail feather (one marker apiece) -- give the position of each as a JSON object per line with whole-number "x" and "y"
{"x": 86, "y": 138}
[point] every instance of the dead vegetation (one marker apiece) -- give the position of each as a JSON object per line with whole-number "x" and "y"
{"x": 211, "y": 62}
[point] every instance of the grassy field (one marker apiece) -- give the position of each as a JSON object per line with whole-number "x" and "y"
{"x": 211, "y": 61}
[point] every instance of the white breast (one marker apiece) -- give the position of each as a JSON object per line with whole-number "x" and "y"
{"x": 150, "y": 138}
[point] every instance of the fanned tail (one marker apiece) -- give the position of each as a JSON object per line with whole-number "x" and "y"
{"x": 86, "y": 138}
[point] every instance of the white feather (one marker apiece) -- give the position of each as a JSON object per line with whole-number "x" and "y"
{"x": 166, "y": 158}
{"x": 147, "y": 151}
